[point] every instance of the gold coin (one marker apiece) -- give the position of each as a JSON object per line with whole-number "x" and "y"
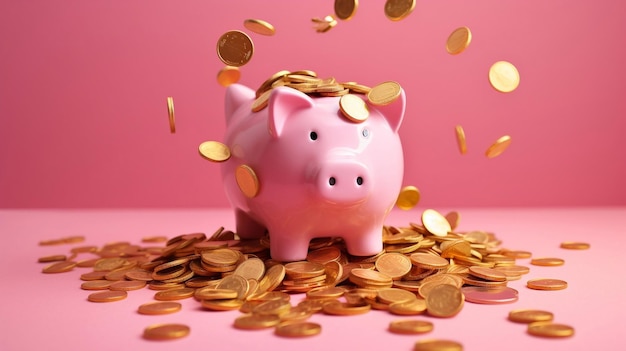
{"x": 572, "y": 245}
{"x": 530, "y": 316}
{"x": 504, "y": 77}
{"x": 546, "y": 284}
{"x": 437, "y": 345}
{"x": 304, "y": 269}
{"x": 444, "y": 300}
{"x": 298, "y": 329}
{"x": 395, "y": 265}
{"x": 228, "y": 75}
{"x": 345, "y": 9}
{"x": 259, "y": 26}
{"x": 164, "y": 307}
{"x": 107, "y": 296}
{"x": 222, "y": 305}
{"x": 211, "y": 293}
{"x": 324, "y": 255}
{"x": 96, "y": 285}
{"x": 256, "y": 321}
{"x": 174, "y": 294}
{"x": 397, "y": 10}
{"x": 127, "y": 285}
{"x": 237, "y": 283}
{"x": 276, "y": 307}
{"x": 59, "y": 267}
{"x": 94, "y": 276}
{"x": 453, "y": 218}
{"x": 214, "y": 151}
{"x": 547, "y": 261}
{"x": 460, "y": 139}
{"x": 435, "y": 223}
{"x": 427, "y": 261}
{"x": 458, "y": 40}
{"x": 154, "y": 239}
{"x": 52, "y": 258}
{"x": 166, "y": 331}
{"x": 170, "y": 113}
{"x": 139, "y": 275}
{"x": 252, "y": 268}
{"x": 343, "y": 309}
{"x": 410, "y": 326}
{"x": 235, "y": 48}
{"x": 498, "y": 147}
{"x": 384, "y": 93}
{"x": 487, "y": 273}
{"x": 325, "y": 292}
{"x": 550, "y": 330}
{"x": 409, "y": 197}
{"x": 272, "y": 279}
{"x": 416, "y": 306}
{"x": 247, "y": 180}
{"x": 354, "y": 108}
{"x": 395, "y": 295}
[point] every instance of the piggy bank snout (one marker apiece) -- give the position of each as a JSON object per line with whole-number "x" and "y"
{"x": 344, "y": 182}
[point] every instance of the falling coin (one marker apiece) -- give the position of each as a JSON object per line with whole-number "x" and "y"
{"x": 550, "y": 330}
{"x": 409, "y": 197}
{"x": 235, "y": 48}
{"x": 458, "y": 40}
{"x": 504, "y": 77}
{"x": 214, "y": 151}
{"x": 228, "y": 75}
{"x": 259, "y": 26}
{"x": 345, "y": 9}
{"x": 165, "y": 331}
{"x": 498, "y": 147}
{"x": 384, "y": 93}
{"x": 353, "y": 108}
{"x": 397, "y": 10}
{"x": 170, "y": 113}
{"x": 247, "y": 180}
{"x": 325, "y": 24}
{"x": 460, "y": 139}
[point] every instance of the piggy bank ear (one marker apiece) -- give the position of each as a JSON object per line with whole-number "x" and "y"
{"x": 283, "y": 103}
{"x": 236, "y": 95}
{"x": 394, "y": 112}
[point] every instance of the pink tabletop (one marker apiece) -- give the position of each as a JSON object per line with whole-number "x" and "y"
{"x": 50, "y": 311}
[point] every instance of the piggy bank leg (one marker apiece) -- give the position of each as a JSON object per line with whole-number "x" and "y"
{"x": 248, "y": 228}
{"x": 367, "y": 244}
{"x": 289, "y": 246}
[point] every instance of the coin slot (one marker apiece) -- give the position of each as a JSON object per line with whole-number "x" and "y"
{"x": 332, "y": 181}
{"x": 313, "y": 136}
{"x": 359, "y": 181}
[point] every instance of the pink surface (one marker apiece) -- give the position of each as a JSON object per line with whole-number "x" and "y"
{"x": 43, "y": 311}
{"x": 83, "y": 87}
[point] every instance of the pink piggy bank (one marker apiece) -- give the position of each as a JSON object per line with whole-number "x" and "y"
{"x": 299, "y": 169}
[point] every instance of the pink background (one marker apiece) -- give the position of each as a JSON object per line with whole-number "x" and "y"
{"x": 83, "y": 87}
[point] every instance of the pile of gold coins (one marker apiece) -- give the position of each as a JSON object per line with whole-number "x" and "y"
{"x": 427, "y": 268}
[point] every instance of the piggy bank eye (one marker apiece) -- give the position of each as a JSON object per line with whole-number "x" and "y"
{"x": 313, "y": 136}
{"x": 365, "y": 133}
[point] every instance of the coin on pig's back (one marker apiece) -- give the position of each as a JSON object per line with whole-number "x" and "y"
{"x": 354, "y": 108}
{"x": 235, "y": 48}
{"x": 247, "y": 180}
{"x": 384, "y": 93}
{"x": 214, "y": 151}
